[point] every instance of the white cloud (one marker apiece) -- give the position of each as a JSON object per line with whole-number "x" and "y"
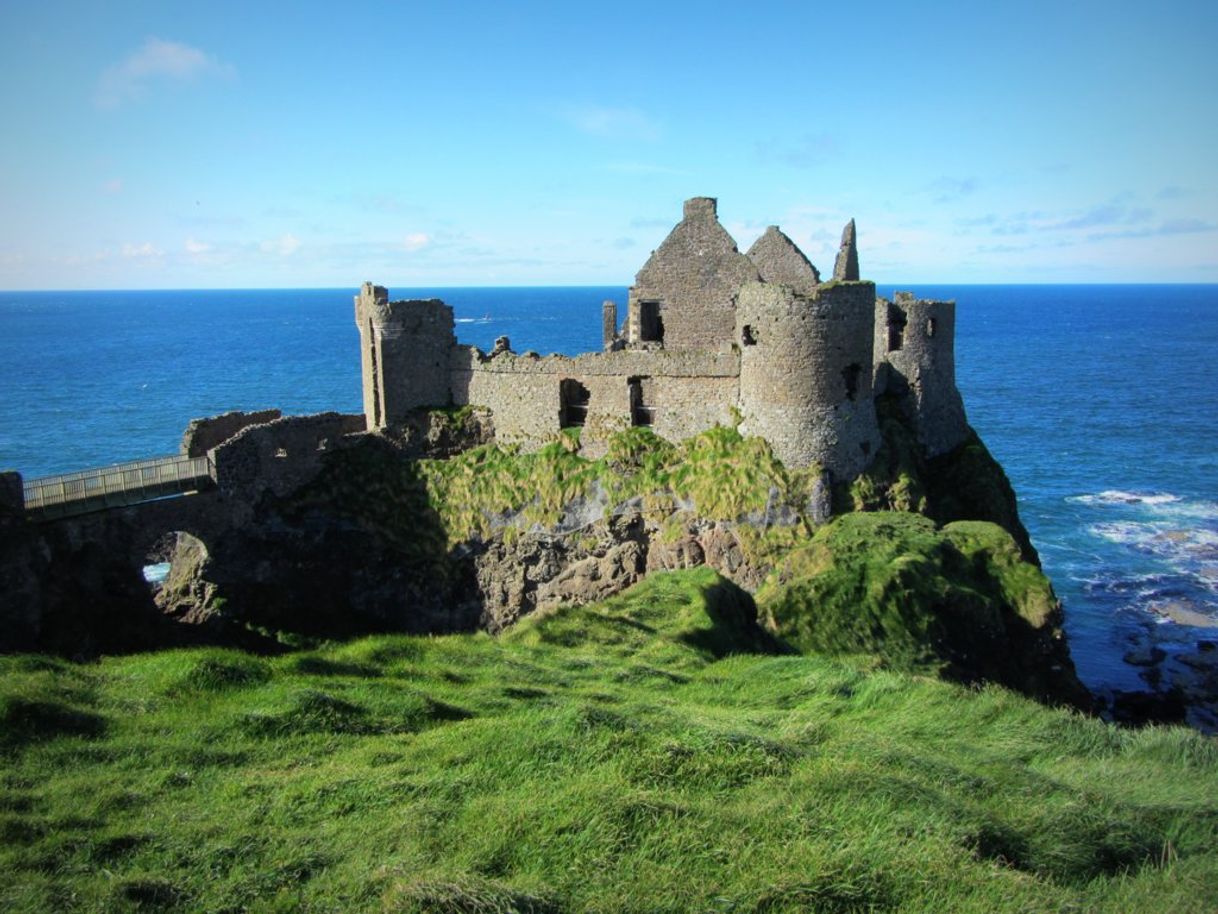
{"x": 196, "y": 247}
{"x": 143, "y": 251}
{"x": 284, "y": 246}
{"x": 618, "y": 123}
{"x": 416, "y": 240}
{"x": 156, "y": 60}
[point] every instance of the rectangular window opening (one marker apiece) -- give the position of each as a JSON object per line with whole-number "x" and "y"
{"x": 642, "y": 413}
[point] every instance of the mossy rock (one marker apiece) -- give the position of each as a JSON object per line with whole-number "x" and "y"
{"x": 966, "y": 483}
{"x": 960, "y": 601}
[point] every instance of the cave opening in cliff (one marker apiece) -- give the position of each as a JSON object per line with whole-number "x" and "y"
{"x": 173, "y": 569}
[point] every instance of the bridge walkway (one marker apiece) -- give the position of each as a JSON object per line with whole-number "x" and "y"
{"x": 68, "y": 494}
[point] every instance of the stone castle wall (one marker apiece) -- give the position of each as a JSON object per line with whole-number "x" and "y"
{"x": 694, "y": 275}
{"x": 683, "y": 392}
{"x": 281, "y": 455}
{"x": 202, "y": 435}
{"x": 806, "y": 373}
{"x": 915, "y": 360}
{"x": 708, "y": 331}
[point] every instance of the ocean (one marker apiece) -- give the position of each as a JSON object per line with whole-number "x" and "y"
{"x": 1098, "y": 400}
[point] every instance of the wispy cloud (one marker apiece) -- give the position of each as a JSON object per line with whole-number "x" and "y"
{"x": 1102, "y": 215}
{"x": 948, "y": 190}
{"x": 1187, "y": 226}
{"x": 1173, "y": 192}
{"x": 145, "y": 251}
{"x": 157, "y": 60}
{"x": 284, "y": 245}
{"x": 113, "y": 186}
{"x": 416, "y": 241}
{"x": 617, "y": 123}
{"x": 195, "y": 247}
{"x": 807, "y": 151}
{"x": 1110, "y": 215}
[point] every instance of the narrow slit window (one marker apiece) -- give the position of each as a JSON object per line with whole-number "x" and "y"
{"x": 642, "y": 410}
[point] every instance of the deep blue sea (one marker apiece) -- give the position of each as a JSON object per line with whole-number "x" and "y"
{"x": 1100, "y": 402}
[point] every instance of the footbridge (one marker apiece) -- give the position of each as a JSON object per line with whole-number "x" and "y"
{"x": 119, "y": 485}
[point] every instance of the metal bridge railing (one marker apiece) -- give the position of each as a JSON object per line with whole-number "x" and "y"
{"x": 114, "y": 486}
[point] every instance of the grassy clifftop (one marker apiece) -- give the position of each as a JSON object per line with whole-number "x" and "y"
{"x": 959, "y": 600}
{"x": 649, "y": 753}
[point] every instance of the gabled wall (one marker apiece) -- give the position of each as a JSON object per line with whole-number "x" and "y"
{"x": 694, "y": 275}
{"x": 779, "y": 260}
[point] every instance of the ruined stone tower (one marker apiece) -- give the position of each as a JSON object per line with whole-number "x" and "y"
{"x": 915, "y": 360}
{"x": 405, "y": 351}
{"x": 806, "y": 373}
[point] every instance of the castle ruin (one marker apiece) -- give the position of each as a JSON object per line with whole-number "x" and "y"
{"x": 710, "y": 336}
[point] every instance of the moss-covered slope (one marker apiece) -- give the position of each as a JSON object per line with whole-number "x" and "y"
{"x": 958, "y": 600}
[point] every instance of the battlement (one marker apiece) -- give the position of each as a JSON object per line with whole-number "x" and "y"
{"x": 710, "y": 336}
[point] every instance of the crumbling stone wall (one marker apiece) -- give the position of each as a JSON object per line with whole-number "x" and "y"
{"x": 779, "y": 260}
{"x": 204, "y": 434}
{"x": 694, "y": 275}
{"x": 405, "y": 350}
{"x": 806, "y": 373}
{"x": 281, "y": 455}
{"x": 690, "y": 391}
{"x": 915, "y": 360}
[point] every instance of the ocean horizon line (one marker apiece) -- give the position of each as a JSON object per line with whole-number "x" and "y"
{"x": 594, "y": 285}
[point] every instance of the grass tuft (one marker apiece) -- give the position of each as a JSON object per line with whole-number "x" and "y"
{"x": 467, "y": 895}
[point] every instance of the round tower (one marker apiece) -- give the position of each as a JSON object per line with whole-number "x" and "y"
{"x": 915, "y": 349}
{"x": 806, "y": 373}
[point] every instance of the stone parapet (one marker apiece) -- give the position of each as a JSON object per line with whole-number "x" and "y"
{"x": 202, "y": 435}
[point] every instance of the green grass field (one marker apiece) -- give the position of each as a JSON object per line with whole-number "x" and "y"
{"x": 654, "y": 753}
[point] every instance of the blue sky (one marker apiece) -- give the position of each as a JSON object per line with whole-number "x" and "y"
{"x": 166, "y": 145}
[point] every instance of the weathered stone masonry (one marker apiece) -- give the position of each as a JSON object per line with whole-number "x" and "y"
{"x": 710, "y": 336}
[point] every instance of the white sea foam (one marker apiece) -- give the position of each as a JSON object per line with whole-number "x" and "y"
{"x": 1126, "y": 532}
{"x": 1119, "y": 497}
{"x": 156, "y": 574}
{"x": 1193, "y": 510}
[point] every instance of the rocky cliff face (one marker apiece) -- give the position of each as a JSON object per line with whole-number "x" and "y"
{"x": 385, "y": 541}
{"x": 433, "y": 528}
